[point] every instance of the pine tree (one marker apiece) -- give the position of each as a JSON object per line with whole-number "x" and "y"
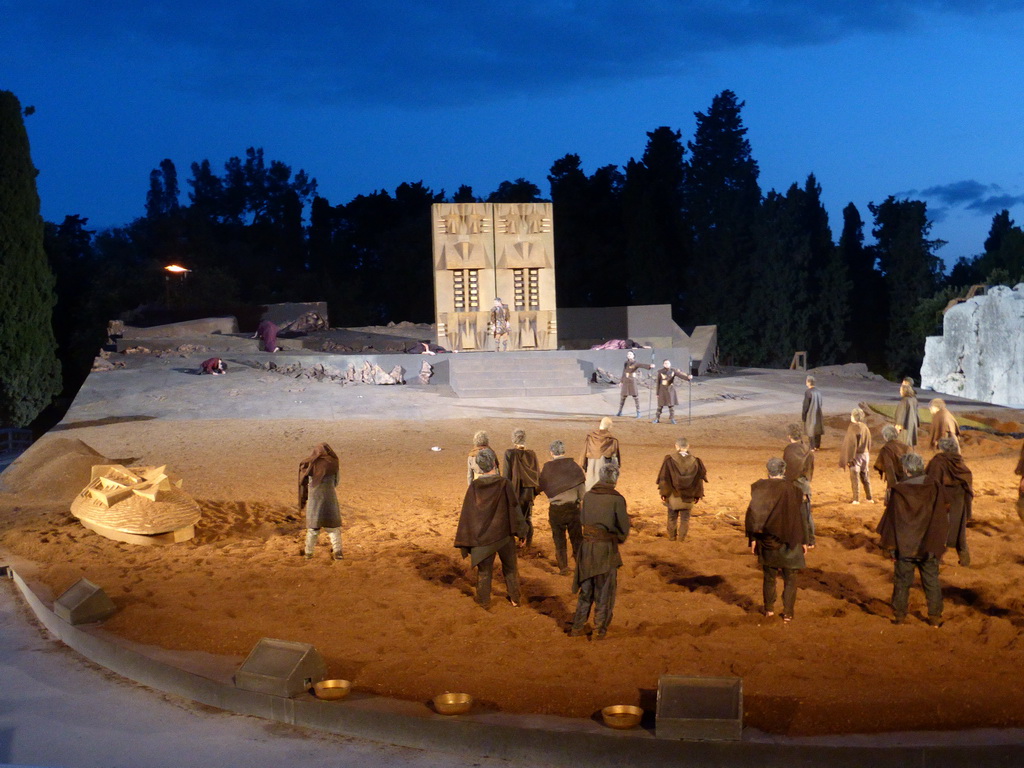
{"x": 30, "y": 373}
{"x": 912, "y": 271}
{"x": 652, "y": 199}
{"x": 721, "y": 197}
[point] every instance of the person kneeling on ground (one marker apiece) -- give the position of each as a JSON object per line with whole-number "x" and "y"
{"x": 778, "y": 532}
{"x": 913, "y": 530}
{"x": 214, "y": 366}
{"x": 605, "y": 526}
{"x": 490, "y": 522}
{"x": 318, "y": 480}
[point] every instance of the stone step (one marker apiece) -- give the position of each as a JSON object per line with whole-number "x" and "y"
{"x": 498, "y": 363}
{"x": 522, "y": 391}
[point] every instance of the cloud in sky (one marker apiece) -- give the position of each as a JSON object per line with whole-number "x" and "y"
{"x": 451, "y": 53}
{"x": 969, "y": 194}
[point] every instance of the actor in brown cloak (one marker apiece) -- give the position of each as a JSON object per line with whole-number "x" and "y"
{"x": 489, "y": 524}
{"x": 562, "y": 481}
{"x": 681, "y": 485}
{"x": 907, "y": 418}
{"x": 814, "y": 425}
{"x": 481, "y": 444}
{"x": 798, "y": 456}
{"x": 667, "y": 398}
{"x": 855, "y": 455}
{"x": 627, "y": 387}
{"x": 522, "y": 470}
{"x": 950, "y": 470}
{"x": 799, "y": 459}
{"x": 914, "y": 529}
{"x": 1020, "y": 488}
{"x": 605, "y": 526}
{"x": 778, "y": 532}
{"x": 318, "y": 480}
{"x": 944, "y": 424}
{"x": 266, "y": 332}
{"x": 601, "y": 448}
{"x": 889, "y": 463}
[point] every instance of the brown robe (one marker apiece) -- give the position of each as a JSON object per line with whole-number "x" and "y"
{"x": 490, "y": 517}
{"x": 628, "y": 384}
{"x": 560, "y": 475}
{"x": 1020, "y": 489}
{"x": 958, "y": 480}
{"x": 601, "y": 443}
{"x": 799, "y": 460}
{"x": 521, "y": 468}
{"x": 856, "y": 441}
{"x": 666, "y": 378}
{"x": 775, "y": 520}
{"x": 943, "y": 425}
{"x": 682, "y": 476}
{"x": 889, "y": 464}
{"x": 605, "y": 525}
{"x": 915, "y": 522}
{"x": 323, "y": 461}
{"x": 907, "y": 419}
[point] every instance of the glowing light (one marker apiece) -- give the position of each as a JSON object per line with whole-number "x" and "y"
{"x": 176, "y": 269}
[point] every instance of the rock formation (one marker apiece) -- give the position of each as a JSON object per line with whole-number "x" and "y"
{"x": 980, "y": 354}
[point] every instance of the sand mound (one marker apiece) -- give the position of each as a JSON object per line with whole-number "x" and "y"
{"x": 53, "y": 468}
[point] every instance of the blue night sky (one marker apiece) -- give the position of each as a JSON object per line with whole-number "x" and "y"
{"x": 913, "y": 98}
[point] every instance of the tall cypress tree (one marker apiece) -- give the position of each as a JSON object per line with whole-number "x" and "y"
{"x": 912, "y": 272}
{"x": 30, "y": 373}
{"x": 722, "y": 197}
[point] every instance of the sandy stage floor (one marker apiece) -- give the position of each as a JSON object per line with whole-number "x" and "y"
{"x": 397, "y": 617}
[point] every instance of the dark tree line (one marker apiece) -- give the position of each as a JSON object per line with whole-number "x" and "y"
{"x": 686, "y": 224}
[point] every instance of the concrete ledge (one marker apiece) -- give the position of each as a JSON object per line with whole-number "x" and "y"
{"x": 531, "y": 739}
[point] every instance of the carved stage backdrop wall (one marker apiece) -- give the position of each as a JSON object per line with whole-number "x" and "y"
{"x": 487, "y": 250}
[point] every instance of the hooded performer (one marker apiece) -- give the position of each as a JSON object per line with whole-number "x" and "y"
{"x": 913, "y": 530}
{"x": 318, "y": 479}
{"x": 627, "y": 388}
{"x": 681, "y": 485}
{"x": 489, "y": 524}
{"x": 779, "y": 533}
{"x": 601, "y": 448}
{"x": 949, "y": 469}
{"x": 889, "y": 463}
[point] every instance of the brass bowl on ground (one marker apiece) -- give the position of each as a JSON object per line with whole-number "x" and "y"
{"x": 453, "y": 703}
{"x": 622, "y": 716}
{"x": 332, "y": 690}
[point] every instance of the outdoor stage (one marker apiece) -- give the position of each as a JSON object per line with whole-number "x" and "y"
{"x": 396, "y": 615}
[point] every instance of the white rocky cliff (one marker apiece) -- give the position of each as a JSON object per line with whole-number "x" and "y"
{"x": 980, "y": 354}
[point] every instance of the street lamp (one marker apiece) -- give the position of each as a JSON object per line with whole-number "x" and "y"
{"x": 174, "y": 269}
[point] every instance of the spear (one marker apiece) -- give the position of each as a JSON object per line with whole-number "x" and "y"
{"x": 650, "y": 391}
